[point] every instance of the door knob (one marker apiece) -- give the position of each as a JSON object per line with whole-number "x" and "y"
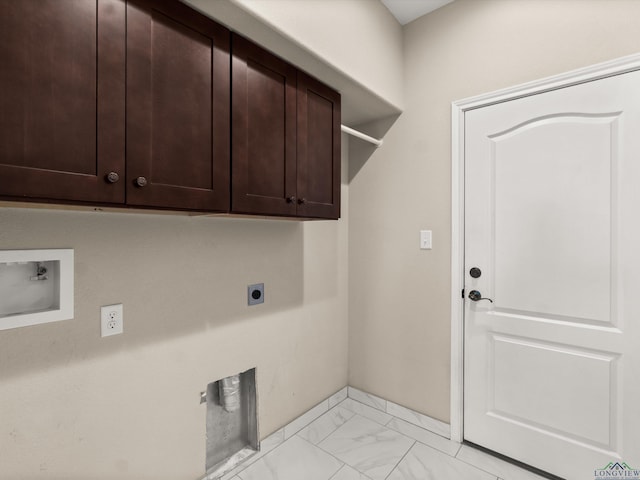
{"x": 476, "y": 296}
{"x": 475, "y": 272}
{"x": 291, "y": 199}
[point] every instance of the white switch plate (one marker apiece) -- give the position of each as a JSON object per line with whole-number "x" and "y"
{"x": 111, "y": 320}
{"x": 425, "y": 240}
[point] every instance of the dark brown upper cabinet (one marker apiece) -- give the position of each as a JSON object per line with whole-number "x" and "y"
{"x": 285, "y": 138}
{"x": 62, "y": 99}
{"x": 178, "y": 92}
{"x": 148, "y": 103}
{"x": 318, "y": 186}
{"x": 264, "y": 132}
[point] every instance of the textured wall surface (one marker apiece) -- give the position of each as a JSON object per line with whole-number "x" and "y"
{"x": 77, "y": 406}
{"x": 399, "y": 297}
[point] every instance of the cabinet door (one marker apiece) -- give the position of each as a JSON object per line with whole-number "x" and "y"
{"x": 62, "y": 99}
{"x": 177, "y": 108}
{"x": 318, "y": 149}
{"x": 264, "y": 132}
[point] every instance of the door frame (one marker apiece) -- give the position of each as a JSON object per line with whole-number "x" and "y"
{"x": 458, "y": 109}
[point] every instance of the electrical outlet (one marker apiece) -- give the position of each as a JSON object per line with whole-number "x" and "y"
{"x": 111, "y": 320}
{"x": 255, "y": 294}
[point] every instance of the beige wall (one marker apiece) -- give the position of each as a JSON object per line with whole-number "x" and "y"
{"x": 353, "y": 45}
{"x": 399, "y": 295}
{"x": 127, "y": 406}
{"x": 77, "y": 406}
{"x": 358, "y": 37}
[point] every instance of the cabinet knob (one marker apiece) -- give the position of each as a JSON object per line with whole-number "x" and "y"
{"x": 291, "y": 199}
{"x": 141, "y": 182}
{"x": 112, "y": 177}
{"x": 302, "y": 201}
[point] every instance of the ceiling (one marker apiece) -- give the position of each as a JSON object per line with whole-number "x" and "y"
{"x": 408, "y": 10}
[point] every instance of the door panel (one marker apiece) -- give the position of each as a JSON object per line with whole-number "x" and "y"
{"x": 549, "y": 389}
{"x": 264, "y": 132}
{"x": 537, "y": 253}
{"x": 177, "y": 107}
{"x": 178, "y": 53}
{"x": 266, "y": 149}
{"x": 62, "y": 124}
{"x": 550, "y": 194}
{"x": 318, "y": 149}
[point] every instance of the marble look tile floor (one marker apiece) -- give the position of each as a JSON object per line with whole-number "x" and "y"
{"x": 357, "y": 440}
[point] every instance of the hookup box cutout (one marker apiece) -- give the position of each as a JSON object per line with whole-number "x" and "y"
{"x": 36, "y": 286}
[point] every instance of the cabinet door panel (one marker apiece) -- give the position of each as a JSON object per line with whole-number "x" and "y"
{"x": 177, "y": 107}
{"x": 318, "y": 149}
{"x": 264, "y": 132}
{"x": 62, "y": 98}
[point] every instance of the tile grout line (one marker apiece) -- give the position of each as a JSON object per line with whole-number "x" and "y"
{"x": 368, "y": 406}
{"x": 417, "y": 423}
{"x": 244, "y": 465}
{"x": 475, "y": 466}
{"x": 354, "y": 469}
{"x": 386, "y": 410}
{"x": 493, "y": 474}
{"x": 426, "y": 444}
{"x": 281, "y": 444}
{"x": 386, "y": 402}
{"x": 334, "y": 475}
{"x": 332, "y": 431}
{"x": 343, "y": 464}
{"x": 328, "y": 453}
{"x": 389, "y": 421}
{"x": 243, "y": 468}
{"x": 303, "y": 414}
{"x": 386, "y": 424}
{"x": 403, "y": 457}
{"x": 433, "y": 430}
{"x": 457, "y": 451}
{"x": 365, "y": 418}
{"x": 326, "y": 401}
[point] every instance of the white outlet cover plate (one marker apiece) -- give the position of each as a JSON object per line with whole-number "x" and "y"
{"x": 111, "y": 320}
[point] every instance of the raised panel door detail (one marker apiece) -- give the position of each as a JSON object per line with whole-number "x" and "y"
{"x": 264, "y": 165}
{"x": 266, "y": 130}
{"x": 62, "y": 99}
{"x": 177, "y": 108}
{"x": 549, "y": 389}
{"x": 55, "y": 66}
{"x": 181, "y": 105}
{"x": 318, "y": 149}
{"x": 570, "y": 179}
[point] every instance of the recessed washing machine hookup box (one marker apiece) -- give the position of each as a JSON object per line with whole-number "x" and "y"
{"x": 36, "y": 286}
{"x": 232, "y": 423}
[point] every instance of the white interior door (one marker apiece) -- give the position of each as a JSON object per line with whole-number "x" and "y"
{"x": 552, "y": 220}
